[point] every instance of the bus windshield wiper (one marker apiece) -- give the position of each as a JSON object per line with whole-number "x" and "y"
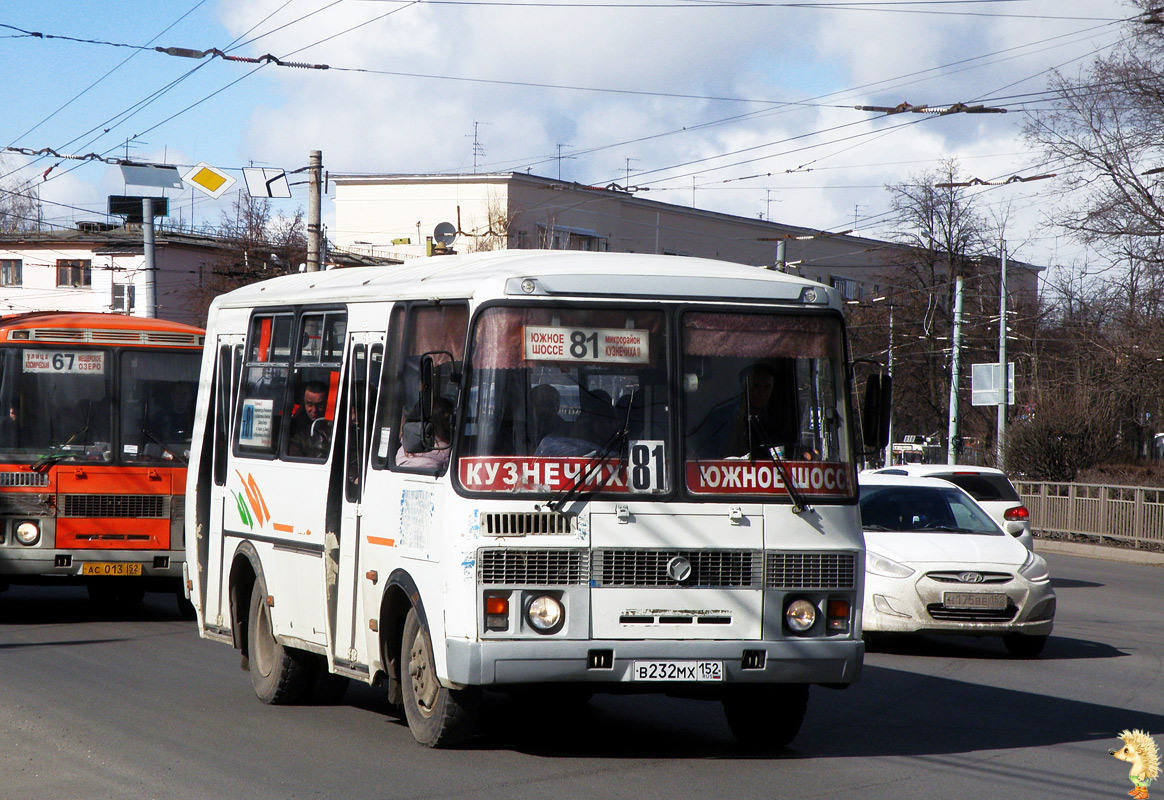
{"x": 58, "y": 453}
{"x": 798, "y": 504}
{"x": 612, "y": 446}
{"x": 165, "y": 448}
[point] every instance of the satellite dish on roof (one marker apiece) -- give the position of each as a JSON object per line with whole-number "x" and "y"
{"x": 445, "y": 233}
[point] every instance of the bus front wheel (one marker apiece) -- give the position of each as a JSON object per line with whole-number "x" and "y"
{"x": 280, "y": 675}
{"x": 437, "y": 716}
{"x": 766, "y": 717}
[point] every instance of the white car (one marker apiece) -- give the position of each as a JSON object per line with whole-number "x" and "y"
{"x": 936, "y": 562}
{"x": 989, "y": 486}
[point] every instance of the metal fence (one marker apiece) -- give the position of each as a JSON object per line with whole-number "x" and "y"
{"x": 1133, "y": 514}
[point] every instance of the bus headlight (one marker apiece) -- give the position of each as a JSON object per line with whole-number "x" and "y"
{"x": 799, "y": 615}
{"x": 28, "y": 533}
{"x": 545, "y": 613}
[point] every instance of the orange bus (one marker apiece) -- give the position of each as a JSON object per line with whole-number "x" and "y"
{"x": 95, "y": 419}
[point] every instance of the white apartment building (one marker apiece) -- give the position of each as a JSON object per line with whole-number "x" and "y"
{"x": 395, "y": 216}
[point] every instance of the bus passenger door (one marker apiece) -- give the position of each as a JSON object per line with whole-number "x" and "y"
{"x": 365, "y": 358}
{"x": 228, "y": 363}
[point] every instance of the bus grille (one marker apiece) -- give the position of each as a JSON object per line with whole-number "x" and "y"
{"x": 115, "y": 336}
{"x": 732, "y": 569}
{"x": 811, "y": 571}
{"x": 526, "y": 523}
{"x": 136, "y": 506}
{"x": 522, "y": 567}
{"x": 24, "y": 479}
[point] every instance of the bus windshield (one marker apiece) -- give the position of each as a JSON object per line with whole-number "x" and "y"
{"x": 57, "y": 404}
{"x": 568, "y": 398}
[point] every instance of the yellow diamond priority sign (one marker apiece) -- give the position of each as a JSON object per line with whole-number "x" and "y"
{"x": 208, "y": 179}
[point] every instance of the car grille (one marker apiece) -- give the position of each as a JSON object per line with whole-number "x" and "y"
{"x": 939, "y": 612}
{"x": 954, "y": 577}
{"x": 811, "y": 571}
{"x": 627, "y": 567}
{"x": 528, "y": 567}
{"x": 24, "y": 479}
{"x": 135, "y": 506}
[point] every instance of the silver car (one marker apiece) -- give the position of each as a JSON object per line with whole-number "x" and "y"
{"x": 936, "y": 562}
{"x": 989, "y": 486}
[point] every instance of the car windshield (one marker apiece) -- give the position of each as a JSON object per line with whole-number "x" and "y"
{"x": 924, "y": 509}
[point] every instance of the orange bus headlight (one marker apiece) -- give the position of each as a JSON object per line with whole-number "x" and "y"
{"x": 28, "y": 533}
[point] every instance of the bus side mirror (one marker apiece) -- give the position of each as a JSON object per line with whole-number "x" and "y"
{"x": 876, "y": 409}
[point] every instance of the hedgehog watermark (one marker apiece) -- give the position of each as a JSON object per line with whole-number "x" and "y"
{"x": 1140, "y": 750}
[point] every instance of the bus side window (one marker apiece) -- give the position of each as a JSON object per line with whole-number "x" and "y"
{"x": 264, "y": 384}
{"x": 315, "y": 385}
{"x": 357, "y": 397}
{"x": 388, "y": 397}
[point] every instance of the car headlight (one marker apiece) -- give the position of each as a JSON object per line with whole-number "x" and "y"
{"x": 1034, "y": 569}
{"x": 800, "y": 615}
{"x": 885, "y": 567}
{"x": 28, "y": 533}
{"x": 545, "y": 613}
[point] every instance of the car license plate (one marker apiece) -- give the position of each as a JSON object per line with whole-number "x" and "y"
{"x": 987, "y": 600}
{"x": 678, "y": 671}
{"x": 111, "y": 568}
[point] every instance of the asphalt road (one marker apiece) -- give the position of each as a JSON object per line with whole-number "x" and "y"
{"x": 134, "y": 705}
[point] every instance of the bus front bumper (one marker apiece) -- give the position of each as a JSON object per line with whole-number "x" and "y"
{"x": 835, "y": 662}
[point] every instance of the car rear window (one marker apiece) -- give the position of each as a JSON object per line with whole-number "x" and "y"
{"x": 982, "y": 487}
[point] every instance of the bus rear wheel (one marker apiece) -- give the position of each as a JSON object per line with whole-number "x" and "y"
{"x": 437, "y": 716}
{"x": 281, "y": 675}
{"x": 766, "y": 717}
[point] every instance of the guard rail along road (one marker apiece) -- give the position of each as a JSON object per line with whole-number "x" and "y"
{"x": 1127, "y": 516}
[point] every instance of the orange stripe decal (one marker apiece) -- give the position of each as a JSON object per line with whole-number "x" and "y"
{"x": 281, "y": 528}
{"x": 381, "y": 540}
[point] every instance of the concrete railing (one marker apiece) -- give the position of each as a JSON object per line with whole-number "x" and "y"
{"x": 1134, "y": 514}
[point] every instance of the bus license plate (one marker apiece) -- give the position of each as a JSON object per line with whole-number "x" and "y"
{"x": 993, "y": 601}
{"x": 678, "y": 671}
{"x": 111, "y": 568}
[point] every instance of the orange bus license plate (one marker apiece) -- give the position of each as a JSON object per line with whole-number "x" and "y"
{"x": 111, "y": 568}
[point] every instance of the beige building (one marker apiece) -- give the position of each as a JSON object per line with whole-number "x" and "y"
{"x": 99, "y": 267}
{"x": 395, "y": 216}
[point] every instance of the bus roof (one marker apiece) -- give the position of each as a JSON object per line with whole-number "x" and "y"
{"x": 94, "y": 328}
{"x": 553, "y": 272}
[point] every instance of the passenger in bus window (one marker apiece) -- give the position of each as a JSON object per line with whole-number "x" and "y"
{"x": 10, "y": 427}
{"x": 754, "y": 420}
{"x": 310, "y": 428}
{"x": 593, "y": 430}
{"x": 545, "y": 401}
{"x": 436, "y": 458}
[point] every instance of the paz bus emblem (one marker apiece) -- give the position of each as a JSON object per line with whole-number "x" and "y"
{"x": 679, "y": 569}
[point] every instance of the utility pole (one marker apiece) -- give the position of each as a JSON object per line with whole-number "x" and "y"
{"x": 955, "y": 371}
{"x": 1000, "y": 436}
{"x": 150, "y": 301}
{"x": 314, "y": 210}
{"x": 889, "y": 444}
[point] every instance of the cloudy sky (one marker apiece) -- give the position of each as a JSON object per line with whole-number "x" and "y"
{"x": 740, "y": 107}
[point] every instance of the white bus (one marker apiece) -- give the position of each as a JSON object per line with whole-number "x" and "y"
{"x": 554, "y": 472}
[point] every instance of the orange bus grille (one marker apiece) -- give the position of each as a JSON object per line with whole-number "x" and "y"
{"x": 24, "y": 479}
{"x": 122, "y": 506}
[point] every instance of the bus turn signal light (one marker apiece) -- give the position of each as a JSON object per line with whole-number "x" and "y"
{"x": 497, "y": 613}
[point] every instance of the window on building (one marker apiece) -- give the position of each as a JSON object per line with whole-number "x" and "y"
{"x": 74, "y": 272}
{"x": 851, "y": 289}
{"x": 123, "y": 297}
{"x": 10, "y": 271}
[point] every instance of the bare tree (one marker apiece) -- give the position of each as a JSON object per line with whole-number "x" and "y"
{"x": 943, "y": 236}
{"x": 19, "y": 203}
{"x": 261, "y": 248}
